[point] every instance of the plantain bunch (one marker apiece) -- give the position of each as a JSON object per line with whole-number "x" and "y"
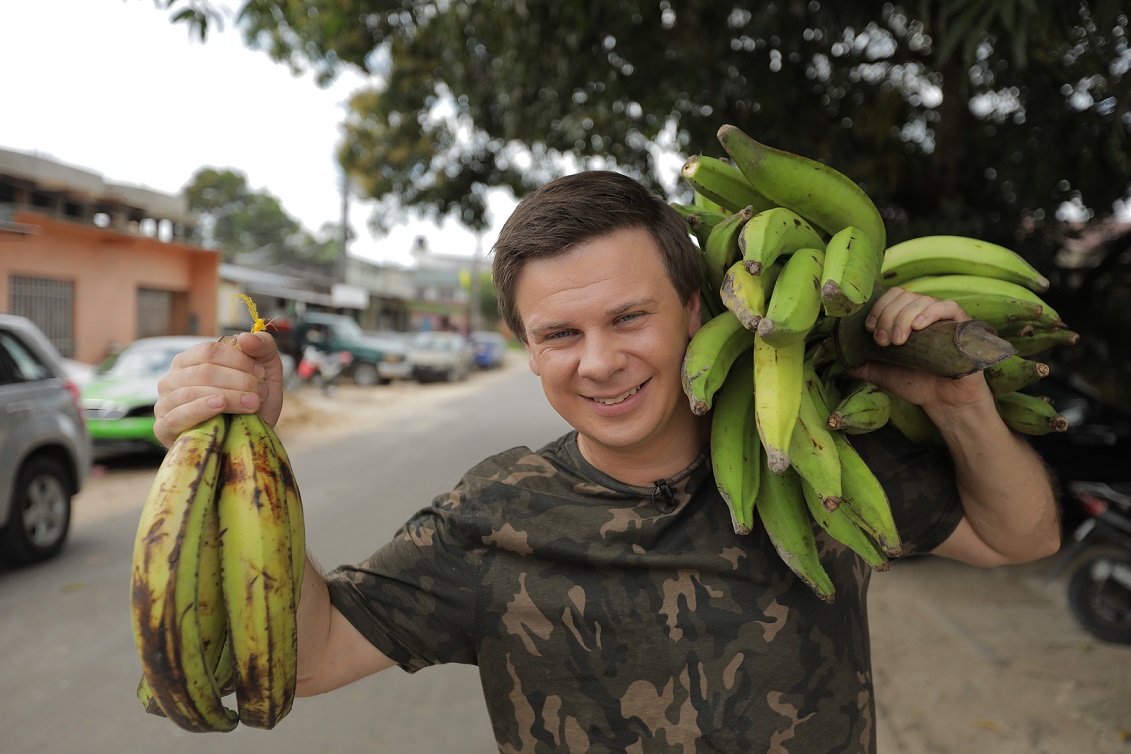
{"x": 793, "y": 252}
{"x": 216, "y": 575}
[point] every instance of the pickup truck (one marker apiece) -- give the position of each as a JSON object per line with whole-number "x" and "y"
{"x": 373, "y": 360}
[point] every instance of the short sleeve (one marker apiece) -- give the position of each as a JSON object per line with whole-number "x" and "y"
{"x": 415, "y": 598}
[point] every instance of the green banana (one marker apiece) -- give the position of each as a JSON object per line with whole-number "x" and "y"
{"x": 699, "y": 220}
{"x": 709, "y": 299}
{"x": 948, "y": 255}
{"x": 1029, "y": 414}
{"x": 851, "y": 271}
{"x": 957, "y": 286}
{"x": 709, "y": 356}
{"x": 722, "y": 183}
{"x": 1013, "y": 374}
{"x": 811, "y": 449}
{"x": 785, "y": 517}
{"x": 778, "y": 383}
{"x": 863, "y": 407}
{"x": 722, "y": 246}
{"x": 1039, "y": 341}
{"x": 165, "y": 595}
{"x": 823, "y": 195}
{"x": 257, "y": 558}
{"x": 795, "y": 302}
{"x": 744, "y": 295}
{"x": 296, "y": 517}
{"x": 843, "y": 529}
{"x": 912, "y": 422}
{"x": 735, "y": 448}
{"x": 775, "y": 233}
{"x": 865, "y": 501}
{"x": 1002, "y": 311}
{"x": 213, "y": 619}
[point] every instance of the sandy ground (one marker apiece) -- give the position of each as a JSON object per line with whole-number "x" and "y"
{"x": 965, "y": 660}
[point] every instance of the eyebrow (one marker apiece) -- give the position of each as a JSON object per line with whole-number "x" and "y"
{"x": 615, "y": 312}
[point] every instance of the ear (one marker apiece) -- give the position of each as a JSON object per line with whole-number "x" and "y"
{"x": 694, "y": 314}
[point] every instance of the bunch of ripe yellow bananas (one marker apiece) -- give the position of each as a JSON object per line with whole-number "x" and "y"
{"x": 217, "y": 568}
{"x": 792, "y": 253}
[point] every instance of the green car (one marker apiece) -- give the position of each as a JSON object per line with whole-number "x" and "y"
{"x": 118, "y": 399}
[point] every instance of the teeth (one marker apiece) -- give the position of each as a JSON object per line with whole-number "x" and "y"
{"x": 619, "y": 398}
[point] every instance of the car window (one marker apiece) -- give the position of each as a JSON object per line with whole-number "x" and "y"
{"x": 141, "y": 362}
{"x": 18, "y": 364}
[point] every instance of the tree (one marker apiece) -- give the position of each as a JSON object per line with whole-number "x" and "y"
{"x": 241, "y": 221}
{"x": 977, "y": 115}
{"x": 986, "y": 118}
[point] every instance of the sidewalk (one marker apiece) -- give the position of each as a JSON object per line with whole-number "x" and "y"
{"x": 968, "y": 661}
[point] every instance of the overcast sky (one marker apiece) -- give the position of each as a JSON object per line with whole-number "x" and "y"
{"x": 113, "y": 87}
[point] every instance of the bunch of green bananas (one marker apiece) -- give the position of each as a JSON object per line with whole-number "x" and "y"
{"x": 793, "y": 252}
{"x": 217, "y": 567}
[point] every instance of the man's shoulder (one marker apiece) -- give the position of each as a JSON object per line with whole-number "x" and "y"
{"x": 520, "y": 465}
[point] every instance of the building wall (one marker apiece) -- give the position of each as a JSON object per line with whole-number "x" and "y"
{"x": 107, "y": 268}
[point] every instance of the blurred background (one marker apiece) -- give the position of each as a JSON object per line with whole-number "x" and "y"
{"x": 348, "y": 164}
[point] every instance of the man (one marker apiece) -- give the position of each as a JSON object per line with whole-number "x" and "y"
{"x": 597, "y": 582}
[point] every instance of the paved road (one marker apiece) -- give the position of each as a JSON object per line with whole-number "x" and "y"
{"x": 966, "y": 661}
{"x": 69, "y": 667}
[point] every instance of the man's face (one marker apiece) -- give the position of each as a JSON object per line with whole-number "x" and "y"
{"x": 606, "y": 333}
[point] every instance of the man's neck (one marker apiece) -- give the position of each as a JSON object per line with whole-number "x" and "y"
{"x": 644, "y": 467}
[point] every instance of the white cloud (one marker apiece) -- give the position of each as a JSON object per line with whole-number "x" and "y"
{"x": 114, "y": 87}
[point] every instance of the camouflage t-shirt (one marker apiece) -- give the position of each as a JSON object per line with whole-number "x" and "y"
{"x": 610, "y": 618}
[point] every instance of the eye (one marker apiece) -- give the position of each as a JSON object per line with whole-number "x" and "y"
{"x": 630, "y": 317}
{"x": 559, "y": 335}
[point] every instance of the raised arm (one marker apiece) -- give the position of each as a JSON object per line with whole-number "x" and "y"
{"x": 215, "y": 378}
{"x": 1005, "y": 488}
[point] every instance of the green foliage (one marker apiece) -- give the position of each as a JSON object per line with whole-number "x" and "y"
{"x": 239, "y": 220}
{"x": 974, "y": 116}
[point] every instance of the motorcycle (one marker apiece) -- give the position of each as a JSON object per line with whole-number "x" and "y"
{"x": 321, "y": 368}
{"x": 1099, "y": 561}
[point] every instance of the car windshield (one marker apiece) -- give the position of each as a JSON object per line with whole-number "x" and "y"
{"x": 350, "y": 330}
{"x": 430, "y": 342}
{"x": 145, "y": 361}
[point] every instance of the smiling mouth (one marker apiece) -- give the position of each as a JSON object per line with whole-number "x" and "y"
{"x": 620, "y": 398}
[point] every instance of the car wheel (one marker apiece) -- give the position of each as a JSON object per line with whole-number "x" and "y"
{"x": 40, "y": 516}
{"x": 365, "y": 374}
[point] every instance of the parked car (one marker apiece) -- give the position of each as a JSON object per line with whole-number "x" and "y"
{"x": 490, "y": 348}
{"x": 45, "y": 451}
{"x": 332, "y": 333}
{"x": 439, "y": 355}
{"x": 394, "y": 364}
{"x": 118, "y": 399}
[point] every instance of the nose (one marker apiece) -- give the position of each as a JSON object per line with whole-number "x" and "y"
{"x": 601, "y": 357}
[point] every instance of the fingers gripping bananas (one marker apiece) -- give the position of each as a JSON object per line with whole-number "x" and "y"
{"x": 812, "y": 253}
{"x": 217, "y": 570}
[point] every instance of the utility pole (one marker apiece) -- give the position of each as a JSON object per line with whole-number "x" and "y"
{"x": 344, "y": 232}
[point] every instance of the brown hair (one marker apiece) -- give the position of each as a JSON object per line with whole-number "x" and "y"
{"x": 576, "y": 209}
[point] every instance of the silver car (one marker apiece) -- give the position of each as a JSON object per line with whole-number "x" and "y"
{"x": 45, "y": 450}
{"x": 439, "y": 356}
